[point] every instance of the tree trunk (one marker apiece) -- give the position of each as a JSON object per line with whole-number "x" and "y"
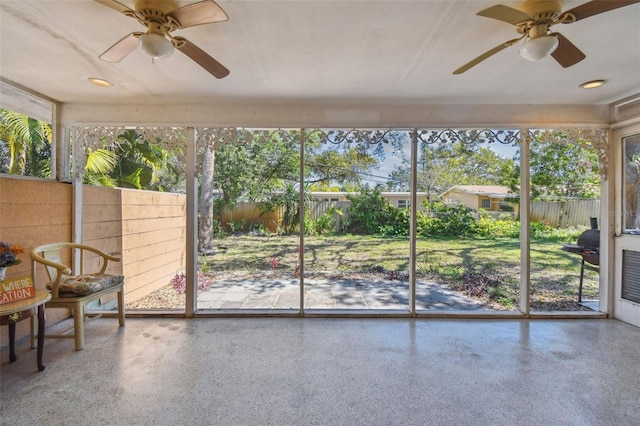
{"x": 205, "y": 221}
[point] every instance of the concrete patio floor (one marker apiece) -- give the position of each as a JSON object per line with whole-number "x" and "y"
{"x": 321, "y": 371}
{"x": 284, "y": 293}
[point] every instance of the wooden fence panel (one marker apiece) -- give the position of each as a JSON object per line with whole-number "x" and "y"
{"x": 560, "y": 214}
{"x": 318, "y": 208}
{"x": 565, "y": 214}
{"x": 251, "y": 213}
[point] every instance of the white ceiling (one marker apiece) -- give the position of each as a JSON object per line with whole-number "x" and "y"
{"x": 317, "y": 52}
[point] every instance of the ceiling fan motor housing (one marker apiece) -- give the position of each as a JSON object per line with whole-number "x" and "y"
{"x": 544, "y": 13}
{"x": 162, "y": 6}
{"x": 551, "y": 8}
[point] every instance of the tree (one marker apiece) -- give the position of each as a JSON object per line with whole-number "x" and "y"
{"x": 252, "y": 170}
{"x": 205, "y": 217}
{"x": 139, "y": 163}
{"x": 136, "y": 163}
{"x": 340, "y": 165}
{"x": 445, "y": 164}
{"x": 562, "y": 169}
{"x": 265, "y": 168}
{"x": 100, "y": 162}
{"x": 289, "y": 200}
{"x": 27, "y": 144}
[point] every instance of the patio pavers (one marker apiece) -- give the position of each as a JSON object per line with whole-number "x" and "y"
{"x": 284, "y": 293}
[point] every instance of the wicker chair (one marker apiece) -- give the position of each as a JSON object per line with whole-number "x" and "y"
{"x": 76, "y": 291}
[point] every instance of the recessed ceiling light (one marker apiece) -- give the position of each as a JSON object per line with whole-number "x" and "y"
{"x": 100, "y": 82}
{"x": 592, "y": 84}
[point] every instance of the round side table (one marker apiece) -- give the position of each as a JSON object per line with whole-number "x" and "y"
{"x": 11, "y": 313}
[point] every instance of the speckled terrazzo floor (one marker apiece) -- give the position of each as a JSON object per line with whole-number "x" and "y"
{"x": 318, "y": 371}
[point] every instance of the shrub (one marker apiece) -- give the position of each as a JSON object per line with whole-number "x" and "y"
{"x": 368, "y": 212}
{"x": 496, "y": 228}
{"x": 446, "y": 220}
{"x": 309, "y": 226}
{"x": 218, "y": 230}
{"x": 326, "y": 224}
{"x": 398, "y": 223}
{"x": 237, "y": 226}
{"x": 541, "y": 231}
{"x": 179, "y": 282}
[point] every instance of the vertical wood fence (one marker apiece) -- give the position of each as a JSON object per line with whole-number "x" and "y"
{"x": 318, "y": 208}
{"x": 565, "y": 214}
{"x": 557, "y": 214}
{"x": 244, "y": 215}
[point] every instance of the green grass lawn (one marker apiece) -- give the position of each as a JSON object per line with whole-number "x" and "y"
{"x": 484, "y": 268}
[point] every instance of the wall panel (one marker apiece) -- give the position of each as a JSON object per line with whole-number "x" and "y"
{"x": 147, "y": 229}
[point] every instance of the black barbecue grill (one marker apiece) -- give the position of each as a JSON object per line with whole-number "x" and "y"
{"x": 588, "y": 247}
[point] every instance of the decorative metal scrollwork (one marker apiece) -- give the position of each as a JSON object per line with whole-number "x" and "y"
{"x": 506, "y": 137}
{"x": 212, "y": 137}
{"x": 224, "y": 136}
{"x": 357, "y": 136}
{"x": 166, "y": 137}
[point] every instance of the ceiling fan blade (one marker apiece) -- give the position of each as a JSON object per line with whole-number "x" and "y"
{"x": 113, "y": 4}
{"x": 204, "y": 12}
{"x": 597, "y": 6}
{"x": 121, "y": 49}
{"x": 487, "y": 54}
{"x": 567, "y": 54}
{"x": 214, "y": 67}
{"x": 505, "y": 14}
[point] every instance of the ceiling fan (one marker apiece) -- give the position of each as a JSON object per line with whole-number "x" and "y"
{"x": 161, "y": 17}
{"x": 533, "y": 20}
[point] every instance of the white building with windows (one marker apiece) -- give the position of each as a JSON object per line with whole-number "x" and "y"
{"x": 401, "y": 200}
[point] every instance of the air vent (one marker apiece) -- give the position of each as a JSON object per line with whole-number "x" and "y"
{"x": 631, "y": 275}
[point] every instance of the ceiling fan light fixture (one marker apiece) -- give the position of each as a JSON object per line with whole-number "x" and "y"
{"x": 539, "y": 47}
{"x": 155, "y": 45}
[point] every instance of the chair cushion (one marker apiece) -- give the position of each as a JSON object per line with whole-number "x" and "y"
{"x": 84, "y": 285}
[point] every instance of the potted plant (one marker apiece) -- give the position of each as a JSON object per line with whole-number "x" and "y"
{"x": 8, "y": 257}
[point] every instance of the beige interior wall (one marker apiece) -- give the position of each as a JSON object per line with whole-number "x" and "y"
{"x": 102, "y": 227}
{"x": 147, "y": 229}
{"x": 102, "y": 221}
{"x": 33, "y": 212}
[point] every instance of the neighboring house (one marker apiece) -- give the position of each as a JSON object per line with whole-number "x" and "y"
{"x": 402, "y": 199}
{"x": 396, "y": 199}
{"x": 481, "y": 197}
